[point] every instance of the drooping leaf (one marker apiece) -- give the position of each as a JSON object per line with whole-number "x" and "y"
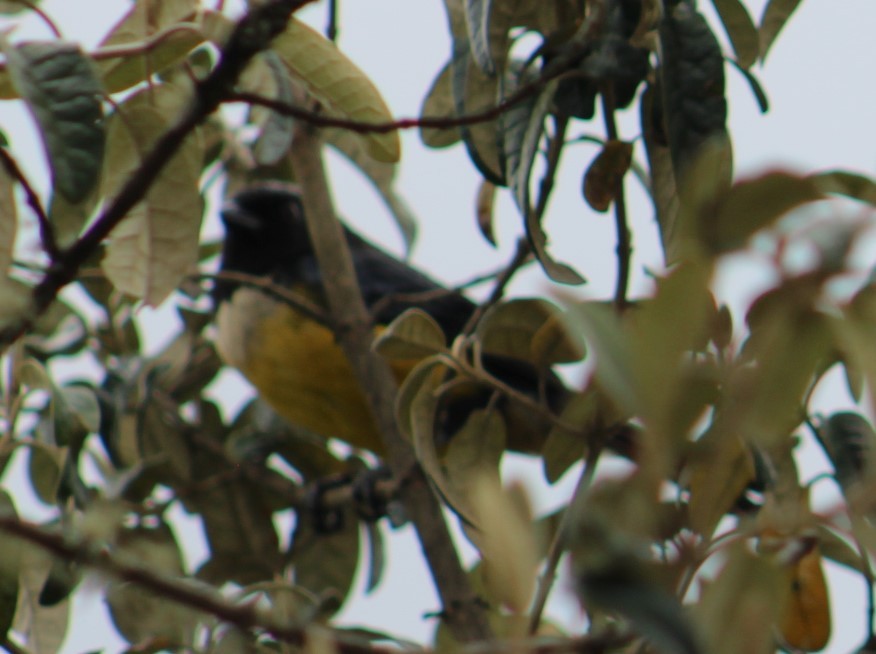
{"x": 692, "y": 82}
{"x": 439, "y": 103}
{"x": 156, "y": 245}
{"x": 413, "y": 335}
{"x": 775, "y": 16}
{"x": 381, "y": 175}
{"x": 741, "y": 30}
{"x": 524, "y": 126}
{"x": 337, "y": 81}
{"x": 10, "y": 564}
{"x": 730, "y": 625}
{"x": 484, "y": 205}
{"x": 752, "y": 205}
{"x": 763, "y": 102}
{"x": 806, "y": 625}
{"x": 276, "y": 135}
{"x": 477, "y": 20}
{"x": 850, "y": 442}
{"x": 848, "y": 184}
{"x": 530, "y": 329}
{"x": 61, "y": 90}
{"x": 8, "y": 220}
{"x": 158, "y": 51}
{"x": 605, "y": 174}
{"x": 325, "y": 563}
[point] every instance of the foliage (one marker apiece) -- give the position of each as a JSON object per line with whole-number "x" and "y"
{"x": 708, "y": 543}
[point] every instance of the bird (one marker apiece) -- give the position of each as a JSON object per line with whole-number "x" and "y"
{"x": 293, "y": 359}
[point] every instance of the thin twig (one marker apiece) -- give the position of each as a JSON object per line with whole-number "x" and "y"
{"x": 47, "y": 234}
{"x": 624, "y": 236}
{"x": 331, "y": 30}
{"x": 561, "y": 538}
{"x": 44, "y": 17}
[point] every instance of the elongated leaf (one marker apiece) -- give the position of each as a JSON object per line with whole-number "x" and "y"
{"x": 413, "y": 335}
{"x": 851, "y": 185}
{"x": 775, "y": 16}
{"x": 61, "y": 90}
{"x": 158, "y": 52}
{"x": 10, "y": 564}
{"x": 276, "y": 136}
{"x": 477, "y": 20}
{"x": 8, "y": 220}
{"x": 156, "y": 245}
{"x": 382, "y": 177}
{"x": 336, "y": 80}
{"x": 439, "y": 104}
{"x": 523, "y": 131}
{"x": 753, "y": 205}
{"x": 692, "y": 82}
{"x": 740, "y": 29}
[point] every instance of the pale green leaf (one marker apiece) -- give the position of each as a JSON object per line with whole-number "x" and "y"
{"x": 336, "y": 80}
{"x": 276, "y": 135}
{"x": 477, "y": 21}
{"x": 10, "y": 565}
{"x": 439, "y": 103}
{"x": 851, "y": 185}
{"x": 156, "y": 244}
{"x": 523, "y": 131}
{"x": 775, "y": 15}
{"x": 741, "y": 30}
{"x": 8, "y": 220}
{"x": 752, "y": 205}
{"x": 413, "y": 335}
{"x": 61, "y": 90}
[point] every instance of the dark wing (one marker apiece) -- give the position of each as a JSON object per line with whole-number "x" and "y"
{"x": 390, "y": 287}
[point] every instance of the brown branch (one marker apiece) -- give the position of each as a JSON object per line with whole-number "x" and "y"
{"x": 462, "y": 610}
{"x": 556, "y": 68}
{"x": 253, "y": 32}
{"x": 47, "y": 235}
{"x": 624, "y": 248}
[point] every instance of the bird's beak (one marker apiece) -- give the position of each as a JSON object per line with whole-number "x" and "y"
{"x": 233, "y": 215}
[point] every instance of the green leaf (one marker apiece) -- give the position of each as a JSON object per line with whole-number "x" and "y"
{"x": 276, "y": 135}
{"x": 439, "y": 103}
{"x": 740, "y": 29}
{"x": 760, "y": 95}
{"x": 849, "y": 440}
{"x": 61, "y": 90}
{"x": 775, "y": 15}
{"x": 10, "y": 567}
{"x": 325, "y": 563}
{"x": 8, "y": 220}
{"x": 337, "y": 81}
{"x": 381, "y": 175}
{"x": 477, "y": 20}
{"x": 413, "y": 335}
{"x": 376, "y": 556}
{"x": 154, "y": 54}
{"x": 692, "y": 82}
{"x": 523, "y": 130}
{"x": 45, "y": 464}
{"x": 752, "y": 205}
{"x": 42, "y": 627}
{"x": 531, "y": 329}
{"x": 851, "y": 185}
{"x": 156, "y": 244}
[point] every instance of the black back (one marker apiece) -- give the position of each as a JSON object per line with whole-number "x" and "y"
{"x": 266, "y": 236}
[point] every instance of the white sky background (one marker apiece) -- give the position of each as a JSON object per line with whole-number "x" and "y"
{"x": 819, "y": 81}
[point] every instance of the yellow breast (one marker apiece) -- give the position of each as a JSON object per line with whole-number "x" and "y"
{"x": 297, "y": 367}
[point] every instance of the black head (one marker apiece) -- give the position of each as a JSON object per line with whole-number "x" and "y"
{"x": 265, "y": 233}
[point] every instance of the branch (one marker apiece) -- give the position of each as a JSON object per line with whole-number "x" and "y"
{"x": 33, "y": 200}
{"x": 556, "y": 68}
{"x": 463, "y": 612}
{"x": 253, "y": 32}
{"x": 624, "y": 237}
